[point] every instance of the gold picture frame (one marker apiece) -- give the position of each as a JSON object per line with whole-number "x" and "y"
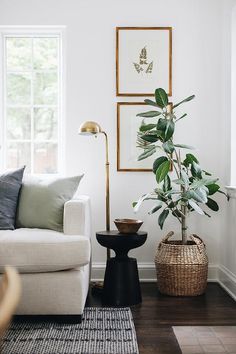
{"x": 120, "y": 163}
{"x": 168, "y": 47}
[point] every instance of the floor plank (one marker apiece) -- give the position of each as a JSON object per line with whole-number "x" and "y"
{"x": 157, "y": 314}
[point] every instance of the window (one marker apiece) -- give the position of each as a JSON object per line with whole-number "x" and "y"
{"x": 32, "y": 102}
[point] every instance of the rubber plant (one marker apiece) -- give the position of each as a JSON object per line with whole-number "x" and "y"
{"x": 189, "y": 188}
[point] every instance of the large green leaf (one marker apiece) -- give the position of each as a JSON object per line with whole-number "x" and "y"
{"x": 212, "y": 204}
{"x": 196, "y": 207}
{"x": 162, "y": 217}
{"x": 205, "y": 189}
{"x": 149, "y": 114}
{"x": 207, "y": 173}
{"x": 155, "y": 208}
{"x": 151, "y": 138}
{"x": 183, "y": 116}
{"x": 161, "y": 124}
{"x": 147, "y": 153}
{"x": 213, "y": 188}
{"x": 189, "y": 160}
{"x": 171, "y": 205}
{"x": 185, "y": 178}
{"x": 210, "y": 181}
{"x": 146, "y": 127}
{"x": 150, "y": 103}
{"x": 227, "y": 195}
{"x": 176, "y": 213}
{"x": 162, "y": 171}
{"x": 179, "y": 181}
{"x": 198, "y": 195}
{"x": 161, "y": 195}
{"x": 170, "y": 128}
{"x": 158, "y": 162}
{"x": 166, "y": 184}
{"x": 168, "y": 147}
{"x": 203, "y": 192}
{"x": 153, "y": 132}
{"x": 196, "y": 170}
{"x": 174, "y": 191}
{"x": 197, "y": 183}
{"x": 167, "y": 127}
{"x": 161, "y": 97}
{"x": 183, "y": 146}
{"x": 136, "y": 205}
{"x": 202, "y": 182}
{"x": 185, "y": 100}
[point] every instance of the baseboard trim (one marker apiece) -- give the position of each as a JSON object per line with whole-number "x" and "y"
{"x": 227, "y": 281}
{"x": 147, "y": 272}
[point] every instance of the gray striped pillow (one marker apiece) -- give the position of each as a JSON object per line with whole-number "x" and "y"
{"x": 10, "y": 184}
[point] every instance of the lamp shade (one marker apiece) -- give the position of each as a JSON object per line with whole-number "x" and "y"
{"x": 89, "y": 128}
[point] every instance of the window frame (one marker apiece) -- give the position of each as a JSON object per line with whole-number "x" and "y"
{"x": 34, "y": 31}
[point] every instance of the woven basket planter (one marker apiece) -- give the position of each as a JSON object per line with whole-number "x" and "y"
{"x": 181, "y": 269}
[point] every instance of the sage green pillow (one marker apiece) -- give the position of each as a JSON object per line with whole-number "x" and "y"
{"x": 41, "y": 201}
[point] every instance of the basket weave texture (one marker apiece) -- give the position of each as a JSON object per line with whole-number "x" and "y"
{"x": 181, "y": 269}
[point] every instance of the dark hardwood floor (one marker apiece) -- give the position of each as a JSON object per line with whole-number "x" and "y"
{"x": 157, "y": 314}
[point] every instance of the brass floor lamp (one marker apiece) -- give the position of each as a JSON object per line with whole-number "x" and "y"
{"x": 93, "y": 128}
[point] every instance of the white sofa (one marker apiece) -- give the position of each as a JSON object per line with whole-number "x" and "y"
{"x": 54, "y": 266}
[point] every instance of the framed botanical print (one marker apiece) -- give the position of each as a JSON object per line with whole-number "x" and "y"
{"x": 127, "y": 127}
{"x": 143, "y": 60}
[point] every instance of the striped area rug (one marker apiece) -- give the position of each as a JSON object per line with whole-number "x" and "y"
{"x": 102, "y": 331}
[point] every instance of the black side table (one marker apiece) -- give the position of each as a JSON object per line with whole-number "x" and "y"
{"x": 121, "y": 283}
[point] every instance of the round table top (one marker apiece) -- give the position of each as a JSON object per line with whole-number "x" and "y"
{"x": 121, "y": 243}
{"x": 116, "y": 233}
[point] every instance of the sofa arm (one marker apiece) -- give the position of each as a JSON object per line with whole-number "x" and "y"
{"x": 77, "y": 216}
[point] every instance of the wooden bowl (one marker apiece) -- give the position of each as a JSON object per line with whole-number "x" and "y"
{"x": 128, "y": 226}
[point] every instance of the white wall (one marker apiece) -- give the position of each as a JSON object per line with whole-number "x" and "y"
{"x": 200, "y": 54}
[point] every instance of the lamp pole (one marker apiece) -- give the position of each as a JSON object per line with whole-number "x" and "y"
{"x": 107, "y": 191}
{"x": 93, "y": 128}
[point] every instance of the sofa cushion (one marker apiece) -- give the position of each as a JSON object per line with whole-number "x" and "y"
{"x": 36, "y": 250}
{"x": 10, "y": 184}
{"x": 41, "y": 201}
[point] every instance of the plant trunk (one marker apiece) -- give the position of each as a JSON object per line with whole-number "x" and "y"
{"x": 184, "y": 224}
